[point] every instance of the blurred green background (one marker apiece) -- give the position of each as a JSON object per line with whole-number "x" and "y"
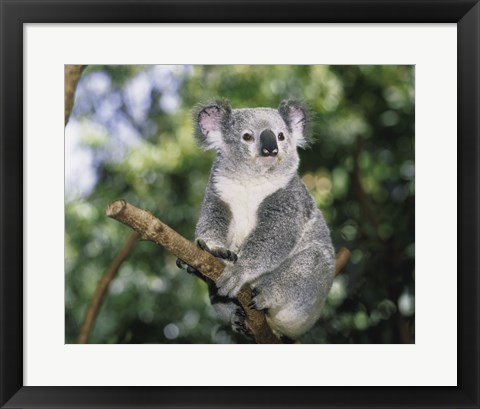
{"x": 130, "y": 136}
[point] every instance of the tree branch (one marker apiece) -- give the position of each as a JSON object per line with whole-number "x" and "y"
{"x": 343, "y": 256}
{"x": 102, "y": 287}
{"x": 72, "y": 75}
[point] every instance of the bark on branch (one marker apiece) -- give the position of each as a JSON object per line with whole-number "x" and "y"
{"x": 72, "y": 75}
{"x": 151, "y": 228}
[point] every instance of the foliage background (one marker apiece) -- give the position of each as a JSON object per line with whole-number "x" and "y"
{"x": 130, "y": 136}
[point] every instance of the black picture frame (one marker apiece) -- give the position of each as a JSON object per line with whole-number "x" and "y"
{"x": 465, "y": 13}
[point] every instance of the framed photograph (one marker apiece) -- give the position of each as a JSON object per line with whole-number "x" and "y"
{"x": 147, "y": 139}
{"x": 394, "y": 89}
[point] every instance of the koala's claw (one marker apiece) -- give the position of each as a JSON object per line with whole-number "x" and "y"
{"x": 238, "y": 323}
{"x": 184, "y": 266}
{"x": 253, "y": 305}
{"x": 240, "y": 327}
{"x": 226, "y": 255}
{"x": 219, "y": 252}
{"x": 203, "y": 245}
{"x": 258, "y": 301}
{"x": 181, "y": 264}
{"x": 240, "y": 313}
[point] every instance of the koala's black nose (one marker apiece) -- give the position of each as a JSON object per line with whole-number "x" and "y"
{"x": 268, "y": 143}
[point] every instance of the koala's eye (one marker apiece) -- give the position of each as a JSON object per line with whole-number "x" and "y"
{"x": 247, "y": 137}
{"x": 281, "y": 136}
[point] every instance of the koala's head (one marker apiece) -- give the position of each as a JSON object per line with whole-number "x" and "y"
{"x": 253, "y": 141}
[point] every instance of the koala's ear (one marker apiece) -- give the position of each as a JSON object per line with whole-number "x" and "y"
{"x": 211, "y": 121}
{"x": 296, "y": 116}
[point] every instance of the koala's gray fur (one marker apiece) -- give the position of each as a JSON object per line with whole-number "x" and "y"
{"x": 260, "y": 218}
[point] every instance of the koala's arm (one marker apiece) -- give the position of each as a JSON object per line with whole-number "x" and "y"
{"x": 281, "y": 219}
{"x": 279, "y": 228}
{"x": 214, "y": 220}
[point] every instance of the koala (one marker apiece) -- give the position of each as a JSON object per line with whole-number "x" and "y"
{"x": 259, "y": 218}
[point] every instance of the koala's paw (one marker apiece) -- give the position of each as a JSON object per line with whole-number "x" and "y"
{"x": 220, "y": 252}
{"x": 230, "y": 282}
{"x": 259, "y": 300}
{"x": 238, "y": 322}
{"x": 184, "y": 266}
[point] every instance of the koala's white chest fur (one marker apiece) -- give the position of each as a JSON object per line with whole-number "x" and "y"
{"x": 244, "y": 198}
